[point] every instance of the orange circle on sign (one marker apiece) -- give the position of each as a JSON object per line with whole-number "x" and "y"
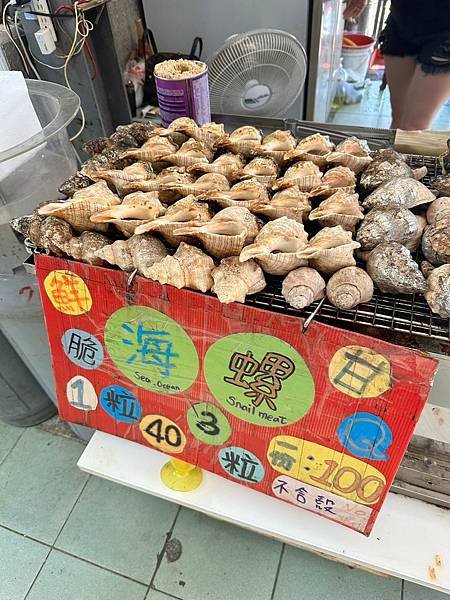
{"x": 163, "y": 434}
{"x": 68, "y": 293}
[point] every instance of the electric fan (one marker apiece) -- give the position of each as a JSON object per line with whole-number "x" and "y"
{"x": 259, "y": 73}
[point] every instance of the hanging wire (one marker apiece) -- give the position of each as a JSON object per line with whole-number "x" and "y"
{"x": 84, "y": 35}
{"x": 19, "y": 37}
{"x": 8, "y": 33}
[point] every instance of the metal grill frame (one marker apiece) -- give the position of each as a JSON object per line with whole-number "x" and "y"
{"x": 408, "y": 314}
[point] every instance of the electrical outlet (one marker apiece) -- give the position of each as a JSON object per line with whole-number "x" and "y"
{"x": 44, "y": 22}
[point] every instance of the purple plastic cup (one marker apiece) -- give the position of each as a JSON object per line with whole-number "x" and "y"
{"x": 184, "y": 98}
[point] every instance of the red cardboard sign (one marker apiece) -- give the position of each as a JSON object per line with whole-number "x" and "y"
{"x": 320, "y": 420}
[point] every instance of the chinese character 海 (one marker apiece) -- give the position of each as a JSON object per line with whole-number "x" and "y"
{"x": 150, "y": 348}
{"x": 240, "y": 466}
{"x": 281, "y": 487}
{"x": 121, "y": 403}
{"x": 266, "y": 375}
{"x": 301, "y": 495}
{"x": 325, "y": 504}
{"x": 82, "y": 348}
{"x": 357, "y": 372}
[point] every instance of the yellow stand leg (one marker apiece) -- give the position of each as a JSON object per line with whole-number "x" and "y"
{"x": 181, "y": 476}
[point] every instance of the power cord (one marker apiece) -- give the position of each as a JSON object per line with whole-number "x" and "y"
{"x": 19, "y": 37}
{"x": 82, "y": 29}
{"x": 8, "y": 33}
{"x": 54, "y": 15}
{"x": 69, "y": 56}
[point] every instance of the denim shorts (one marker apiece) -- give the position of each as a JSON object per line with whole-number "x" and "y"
{"x": 432, "y": 51}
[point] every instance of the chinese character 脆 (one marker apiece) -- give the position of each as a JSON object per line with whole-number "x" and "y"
{"x": 150, "y": 348}
{"x": 357, "y": 372}
{"x": 242, "y": 466}
{"x": 82, "y": 348}
{"x": 267, "y": 375}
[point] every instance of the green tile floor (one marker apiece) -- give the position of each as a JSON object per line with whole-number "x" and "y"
{"x": 65, "y": 535}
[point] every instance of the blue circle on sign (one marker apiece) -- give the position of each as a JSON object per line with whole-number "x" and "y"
{"x": 241, "y": 464}
{"x": 365, "y": 435}
{"x": 82, "y": 348}
{"x": 121, "y": 404}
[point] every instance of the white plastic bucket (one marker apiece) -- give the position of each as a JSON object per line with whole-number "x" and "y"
{"x": 356, "y": 59}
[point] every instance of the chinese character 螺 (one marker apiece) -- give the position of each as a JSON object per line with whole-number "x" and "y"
{"x": 82, "y": 348}
{"x": 150, "y": 348}
{"x": 121, "y": 403}
{"x": 357, "y": 372}
{"x": 242, "y": 467}
{"x": 267, "y": 375}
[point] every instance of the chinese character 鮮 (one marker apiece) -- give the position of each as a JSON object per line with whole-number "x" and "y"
{"x": 67, "y": 293}
{"x": 262, "y": 380}
{"x": 149, "y": 347}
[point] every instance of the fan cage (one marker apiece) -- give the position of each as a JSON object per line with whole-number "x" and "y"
{"x": 268, "y": 57}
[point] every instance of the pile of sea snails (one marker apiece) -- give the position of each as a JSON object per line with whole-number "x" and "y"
{"x": 196, "y": 207}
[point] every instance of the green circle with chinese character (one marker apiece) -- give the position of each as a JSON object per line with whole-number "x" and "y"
{"x": 208, "y": 424}
{"x": 260, "y": 379}
{"x": 151, "y": 349}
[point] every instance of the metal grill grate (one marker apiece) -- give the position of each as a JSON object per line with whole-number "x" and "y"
{"x": 406, "y": 314}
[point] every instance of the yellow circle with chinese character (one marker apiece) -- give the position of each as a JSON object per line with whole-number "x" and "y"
{"x": 68, "y": 293}
{"x": 360, "y": 372}
{"x": 163, "y": 434}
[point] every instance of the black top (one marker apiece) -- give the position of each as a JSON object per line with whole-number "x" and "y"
{"x": 421, "y": 19}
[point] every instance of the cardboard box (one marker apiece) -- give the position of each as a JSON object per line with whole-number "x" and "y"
{"x": 319, "y": 419}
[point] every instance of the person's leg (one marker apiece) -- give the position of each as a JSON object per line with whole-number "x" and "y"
{"x": 429, "y": 87}
{"x": 399, "y": 58}
{"x": 425, "y": 96}
{"x": 399, "y": 75}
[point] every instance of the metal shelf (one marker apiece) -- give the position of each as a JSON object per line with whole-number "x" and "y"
{"x": 404, "y": 314}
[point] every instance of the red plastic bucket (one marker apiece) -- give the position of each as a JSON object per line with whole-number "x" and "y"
{"x": 356, "y": 58}
{"x": 362, "y": 41}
